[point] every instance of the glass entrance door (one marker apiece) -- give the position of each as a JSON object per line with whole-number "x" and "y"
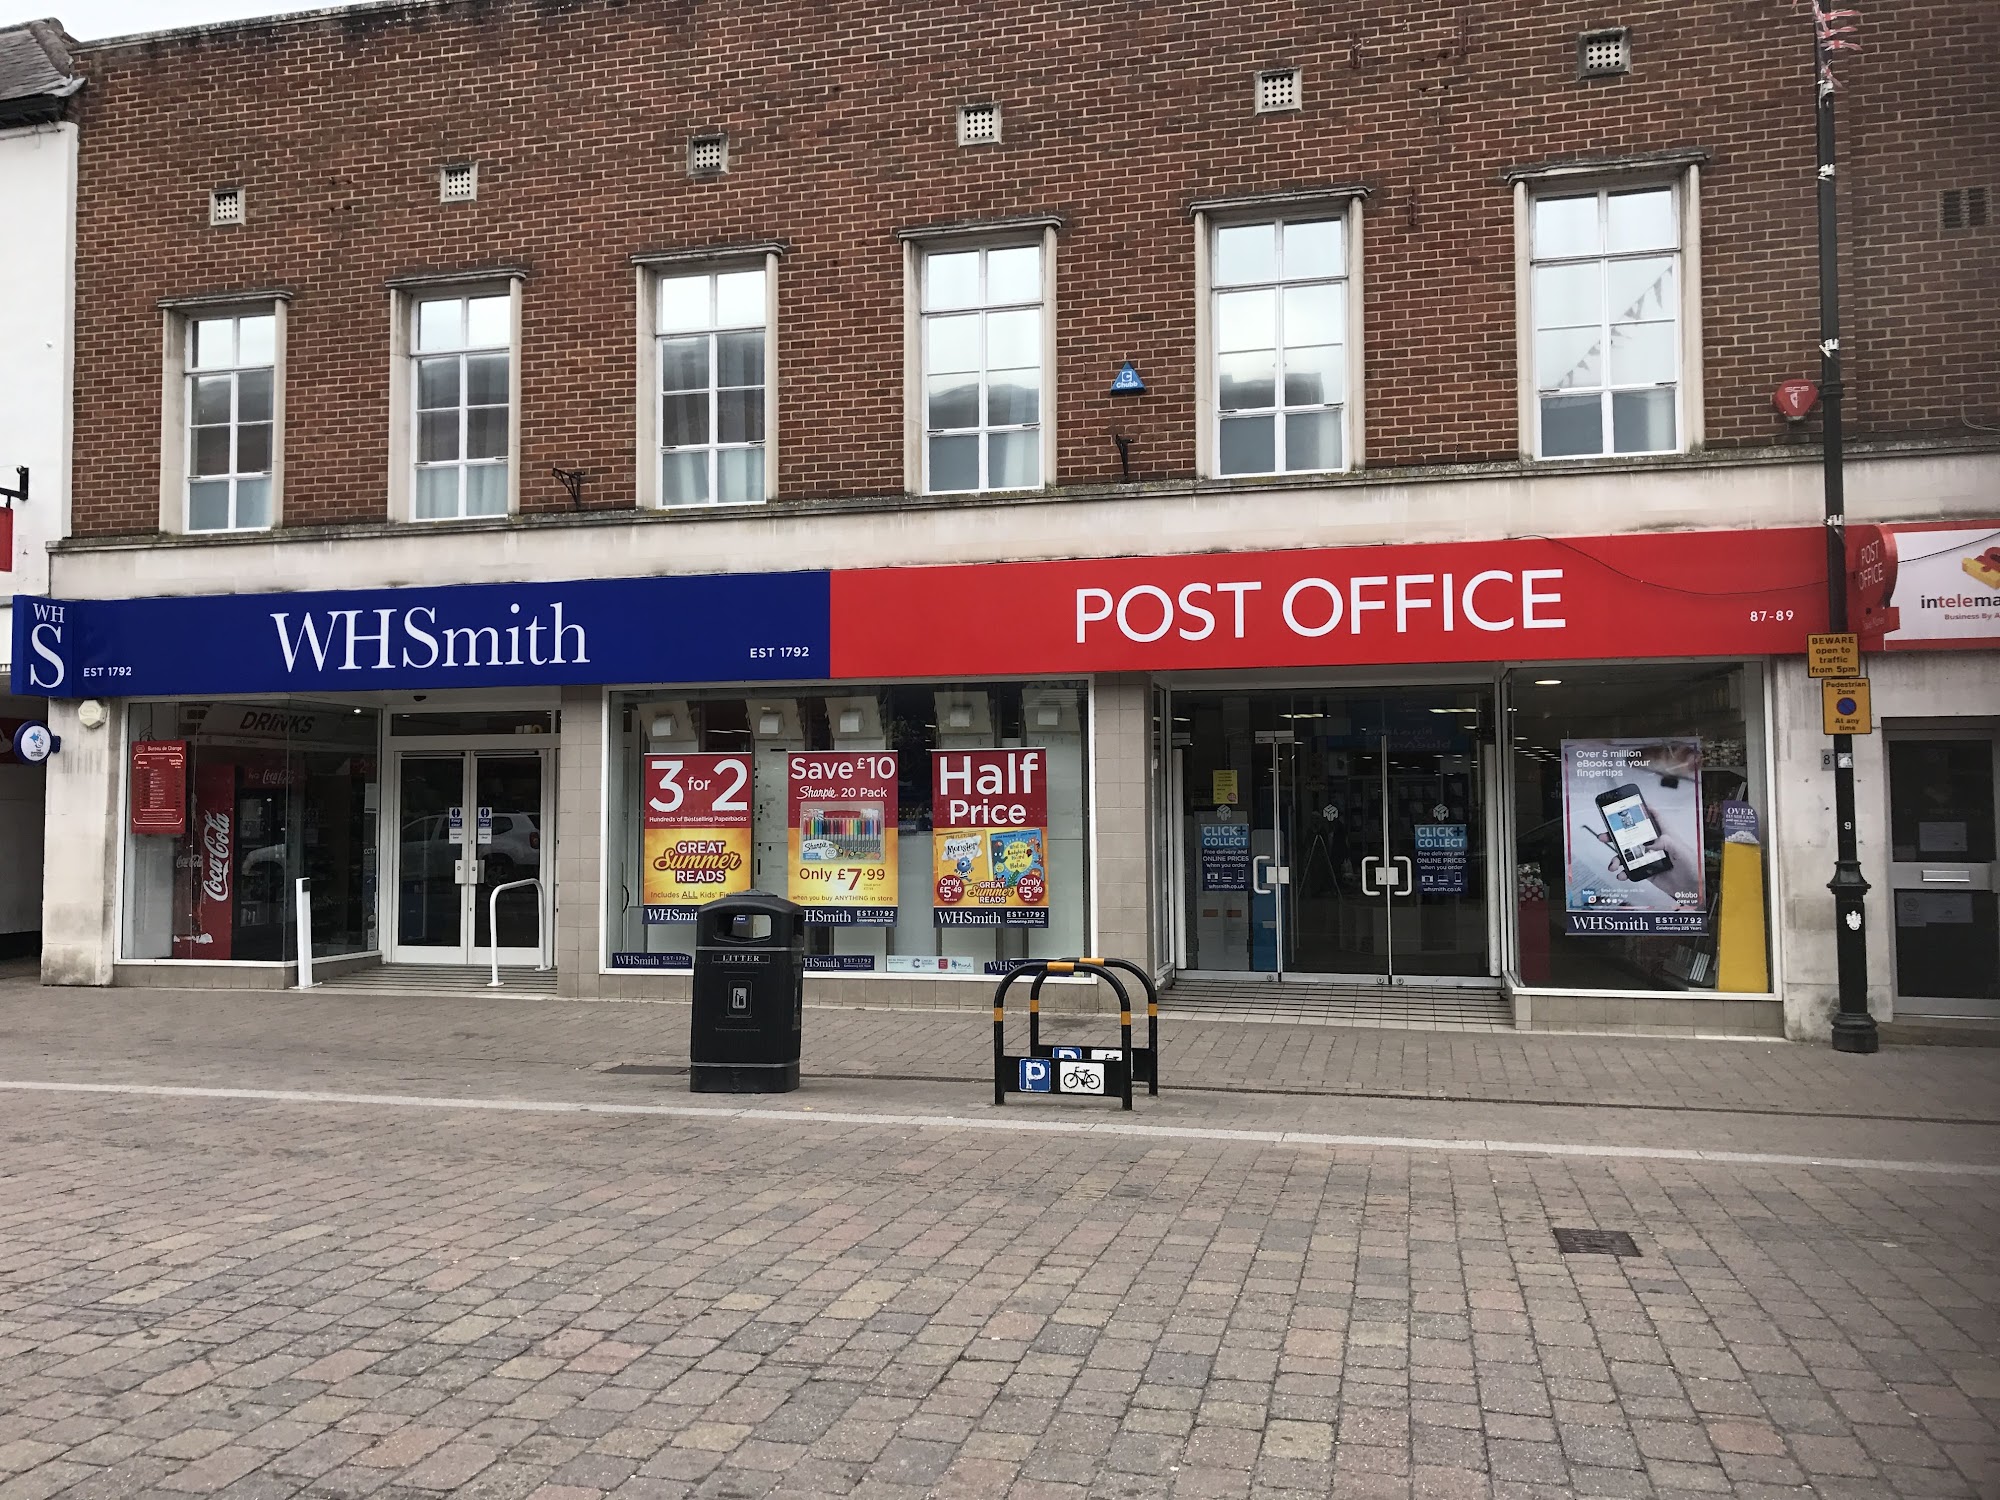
{"x": 1337, "y": 834}
{"x": 1945, "y": 871}
{"x": 469, "y": 821}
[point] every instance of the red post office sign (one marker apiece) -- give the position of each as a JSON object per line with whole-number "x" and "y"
{"x": 1673, "y": 594}
{"x": 159, "y": 787}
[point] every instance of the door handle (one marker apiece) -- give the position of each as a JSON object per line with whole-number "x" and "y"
{"x": 1258, "y": 864}
{"x": 1405, "y": 883}
{"x": 1371, "y": 883}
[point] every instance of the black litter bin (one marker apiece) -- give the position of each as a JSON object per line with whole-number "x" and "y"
{"x": 749, "y": 995}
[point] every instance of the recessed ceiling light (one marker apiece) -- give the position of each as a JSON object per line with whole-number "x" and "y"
{"x": 1548, "y": 682}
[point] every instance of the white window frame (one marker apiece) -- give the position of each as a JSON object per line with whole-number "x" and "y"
{"x": 178, "y": 317}
{"x": 404, "y": 296}
{"x": 652, "y": 268}
{"x": 1343, "y": 203}
{"x": 1683, "y": 177}
{"x": 997, "y": 235}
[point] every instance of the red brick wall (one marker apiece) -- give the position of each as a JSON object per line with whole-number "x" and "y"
{"x": 1117, "y": 114}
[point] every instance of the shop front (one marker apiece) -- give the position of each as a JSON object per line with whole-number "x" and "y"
{"x": 1927, "y": 598}
{"x": 1571, "y": 771}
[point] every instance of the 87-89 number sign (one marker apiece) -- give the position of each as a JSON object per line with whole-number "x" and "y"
{"x": 697, "y": 832}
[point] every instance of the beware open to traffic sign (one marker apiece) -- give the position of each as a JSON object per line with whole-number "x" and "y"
{"x": 1833, "y": 655}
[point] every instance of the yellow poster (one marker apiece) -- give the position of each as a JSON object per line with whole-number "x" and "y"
{"x": 697, "y": 833}
{"x": 841, "y": 837}
{"x": 1224, "y": 788}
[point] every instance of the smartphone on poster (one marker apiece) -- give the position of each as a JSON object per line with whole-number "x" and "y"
{"x": 1633, "y": 833}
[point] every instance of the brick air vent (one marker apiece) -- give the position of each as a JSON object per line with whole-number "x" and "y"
{"x": 459, "y": 182}
{"x": 708, "y": 155}
{"x": 225, "y": 206}
{"x": 1277, "y": 90}
{"x": 1604, "y": 54}
{"x": 979, "y": 124}
{"x": 1962, "y": 208}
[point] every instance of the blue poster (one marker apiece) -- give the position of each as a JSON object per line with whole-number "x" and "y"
{"x": 1441, "y": 849}
{"x": 727, "y": 627}
{"x": 1225, "y": 856}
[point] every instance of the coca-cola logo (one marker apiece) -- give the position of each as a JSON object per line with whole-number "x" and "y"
{"x": 215, "y": 853}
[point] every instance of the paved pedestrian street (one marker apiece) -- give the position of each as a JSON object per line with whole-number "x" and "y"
{"x": 293, "y": 1245}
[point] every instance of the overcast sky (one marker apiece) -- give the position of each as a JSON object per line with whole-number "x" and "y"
{"x": 88, "y": 20}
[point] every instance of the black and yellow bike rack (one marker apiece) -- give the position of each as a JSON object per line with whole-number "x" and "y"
{"x": 1098, "y": 1071}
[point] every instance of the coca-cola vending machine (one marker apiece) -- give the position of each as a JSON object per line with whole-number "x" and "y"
{"x": 205, "y": 871}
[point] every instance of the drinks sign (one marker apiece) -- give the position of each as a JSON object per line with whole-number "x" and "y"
{"x": 696, "y": 833}
{"x": 841, "y": 837}
{"x": 990, "y": 814}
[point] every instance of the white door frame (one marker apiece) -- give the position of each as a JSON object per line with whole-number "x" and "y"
{"x": 468, "y": 748}
{"x": 1939, "y": 874}
{"x": 1493, "y": 817}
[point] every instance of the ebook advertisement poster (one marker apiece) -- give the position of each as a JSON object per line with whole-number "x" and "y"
{"x": 697, "y": 832}
{"x": 1632, "y": 837}
{"x": 840, "y": 811}
{"x": 989, "y": 821}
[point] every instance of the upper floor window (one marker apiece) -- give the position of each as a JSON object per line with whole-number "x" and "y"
{"x": 461, "y": 350}
{"x": 712, "y": 327}
{"x": 1280, "y": 337}
{"x": 230, "y": 400}
{"x": 983, "y": 368}
{"x": 1607, "y": 313}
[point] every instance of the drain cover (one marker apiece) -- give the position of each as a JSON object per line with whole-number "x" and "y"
{"x": 1595, "y": 1242}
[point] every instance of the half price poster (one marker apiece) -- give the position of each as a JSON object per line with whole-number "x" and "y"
{"x": 989, "y": 837}
{"x": 840, "y": 812}
{"x": 697, "y": 832}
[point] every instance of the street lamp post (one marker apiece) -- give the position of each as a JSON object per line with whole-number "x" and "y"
{"x": 1853, "y": 1027}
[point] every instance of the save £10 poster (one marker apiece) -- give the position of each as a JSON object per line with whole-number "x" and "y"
{"x": 840, "y": 811}
{"x": 697, "y": 832}
{"x": 989, "y": 835}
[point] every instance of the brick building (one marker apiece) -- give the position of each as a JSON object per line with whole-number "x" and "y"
{"x": 1332, "y": 457}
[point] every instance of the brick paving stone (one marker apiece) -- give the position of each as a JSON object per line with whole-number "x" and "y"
{"x": 350, "y": 1300}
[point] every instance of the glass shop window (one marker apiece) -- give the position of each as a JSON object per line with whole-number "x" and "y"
{"x": 1641, "y": 811}
{"x": 928, "y": 829}
{"x": 228, "y": 805}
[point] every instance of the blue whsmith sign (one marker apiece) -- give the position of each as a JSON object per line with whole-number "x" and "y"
{"x": 711, "y": 628}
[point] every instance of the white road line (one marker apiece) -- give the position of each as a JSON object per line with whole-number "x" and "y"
{"x": 1079, "y": 1125}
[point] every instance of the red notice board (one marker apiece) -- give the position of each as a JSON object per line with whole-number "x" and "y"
{"x": 159, "y": 787}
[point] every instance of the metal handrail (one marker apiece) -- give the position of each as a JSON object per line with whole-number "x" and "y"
{"x": 302, "y": 904}
{"x": 541, "y": 925}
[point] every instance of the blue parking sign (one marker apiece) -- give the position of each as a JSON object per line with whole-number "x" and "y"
{"x": 1066, "y": 1054}
{"x": 1037, "y": 1075}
